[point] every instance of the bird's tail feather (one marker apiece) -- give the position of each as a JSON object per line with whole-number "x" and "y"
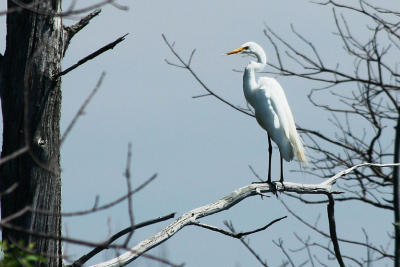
{"x": 298, "y": 147}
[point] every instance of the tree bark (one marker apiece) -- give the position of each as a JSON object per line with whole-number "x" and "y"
{"x": 31, "y": 102}
{"x": 396, "y": 193}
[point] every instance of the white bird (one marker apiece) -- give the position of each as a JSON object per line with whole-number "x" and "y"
{"x": 271, "y": 108}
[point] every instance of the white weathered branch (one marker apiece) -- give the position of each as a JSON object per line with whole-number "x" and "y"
{"x": 225, "y": 203}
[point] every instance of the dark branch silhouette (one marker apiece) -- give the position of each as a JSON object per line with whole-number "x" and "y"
{"x": 92, "y": 56}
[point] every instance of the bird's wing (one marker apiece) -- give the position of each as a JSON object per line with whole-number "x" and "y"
{"x": 279, "y": 103}
{"x": 282, "y": 110}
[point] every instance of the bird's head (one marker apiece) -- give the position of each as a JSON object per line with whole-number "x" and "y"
{"x": 251, "y": 49}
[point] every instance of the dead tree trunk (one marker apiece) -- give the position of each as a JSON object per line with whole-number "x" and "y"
{"x": 31, "y": 102}
{"x": 396, "y": 193}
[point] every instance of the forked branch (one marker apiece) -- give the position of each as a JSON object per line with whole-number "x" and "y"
{"x": 186, "y": 65}
{"x": 191, "y": 217}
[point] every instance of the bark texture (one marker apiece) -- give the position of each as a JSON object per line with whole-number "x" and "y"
{"x": 396, "y": 194}
{"x": 34, "y": 50}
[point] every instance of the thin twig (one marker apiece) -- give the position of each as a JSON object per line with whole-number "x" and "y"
{"x": 82, "y": 108}
{"x": 95, "y": 208}
{"x": 246, "y": 244}
{"x": 234, "y": 234}
{"x": 188, "y": 67}
{"x": 71, "y": 11}
{"x": 256, "y": 174}
{"x": 109, "y": 241}
{"x": 280, "y": 245}
{"x": 223, "y": 204}
{"x": 14, "y": 155}
{"x": 264, "y": 227}
{"x": 128, "y": 184}
{"x": 203, "y": 95}
{"x": 383, "y": 253}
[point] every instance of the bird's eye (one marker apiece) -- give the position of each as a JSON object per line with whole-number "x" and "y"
{"x": 246, "y": 48}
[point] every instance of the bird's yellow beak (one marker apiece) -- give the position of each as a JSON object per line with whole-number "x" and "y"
{"x": 235, "y": 51}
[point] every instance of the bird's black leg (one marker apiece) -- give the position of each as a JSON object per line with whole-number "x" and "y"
{"x": 281, "y": 179}
{"x": 269, "y": 159}
{"x": 273, "y": 186}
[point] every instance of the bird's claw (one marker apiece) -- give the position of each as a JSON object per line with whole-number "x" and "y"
{"x": 283, "y": 186}
{"x": 272, "y": 185}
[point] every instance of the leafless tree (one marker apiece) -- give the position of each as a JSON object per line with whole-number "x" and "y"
{"x": 30, "y": 90}
{"x": 366, "y": 95}
{"x": 356, "y": 161}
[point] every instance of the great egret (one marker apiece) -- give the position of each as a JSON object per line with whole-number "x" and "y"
{"x": 271, "y": 108}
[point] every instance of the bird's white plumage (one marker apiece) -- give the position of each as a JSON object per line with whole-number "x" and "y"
{"x": 271, "y": 107}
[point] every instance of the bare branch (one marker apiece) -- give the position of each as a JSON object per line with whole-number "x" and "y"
{"x": 34, "y": 7}
{"x": 73, "y": 29}
{"x": 18, "y": 8}
{"x": 262, "y": 228}
{"x": 382, "y": 252}
{"x": 188, "y": 67}
{"x": 70, "y": 31}
{"x": 128, "y": 183}
{"x": 233, "y": 234}
{"x": 332, "y": 229}
{"x": 246, "y": 244}
{"x": 225, "y": 203}
{"x": 92, "y": 56}
{"x": 76, "y": 241}
{"x": 203, "y": 95}
{"x": 14, "y": 155}
{"x": 255, "y": 174}
{"x": 82, "y": 108}
{"x": 95, "y": 207}
{"x": 123, "y": 232}
{"x": 280, "y": 245}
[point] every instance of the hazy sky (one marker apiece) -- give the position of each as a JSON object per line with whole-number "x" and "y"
{"x": 200, "y": 148}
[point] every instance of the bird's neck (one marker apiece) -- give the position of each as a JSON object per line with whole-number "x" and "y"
{"x": 249, "y": 80}
{"x": 249, "y": 77}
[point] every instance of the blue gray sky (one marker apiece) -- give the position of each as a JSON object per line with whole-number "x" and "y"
{"x": 200, "y": 148}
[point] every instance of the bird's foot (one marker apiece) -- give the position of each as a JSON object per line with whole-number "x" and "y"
{"x": 272, "y": 185}
{"x": 282, "y": 184}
